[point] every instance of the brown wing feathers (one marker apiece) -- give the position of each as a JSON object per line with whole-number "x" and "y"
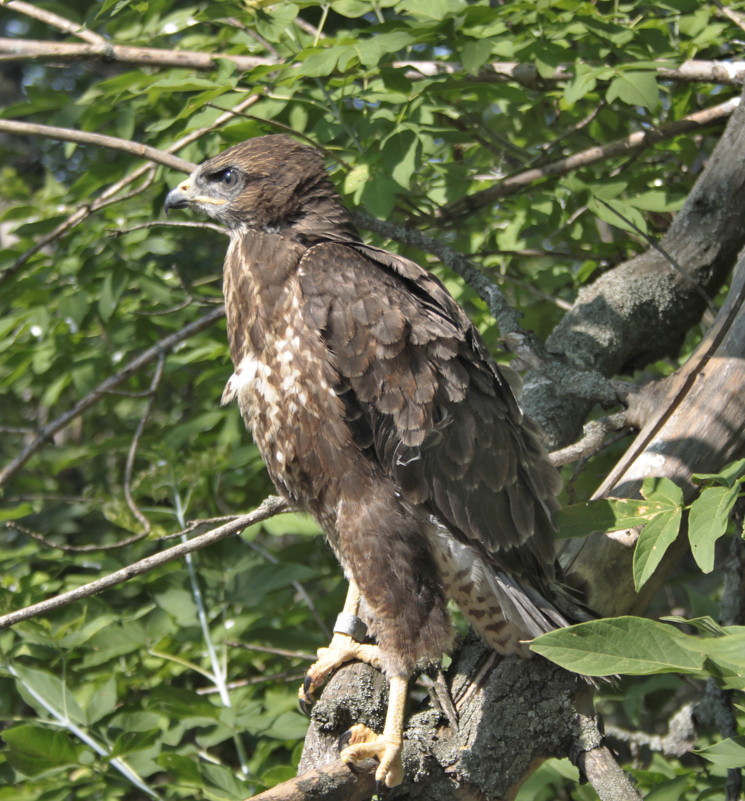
{"x": 440, "y": 418}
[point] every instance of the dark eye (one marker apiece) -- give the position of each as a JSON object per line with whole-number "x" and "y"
{"x": 228, "y": 178}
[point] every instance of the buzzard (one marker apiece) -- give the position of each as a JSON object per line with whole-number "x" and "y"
{"x": 378, "y": 409}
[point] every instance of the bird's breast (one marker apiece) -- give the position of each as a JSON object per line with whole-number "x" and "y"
{"x": 285, "y": 395}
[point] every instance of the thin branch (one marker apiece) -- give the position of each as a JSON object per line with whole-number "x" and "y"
{"x": 207, "y": 226}
{"x": 268, "y": 508}
{"x": 107, "y": 198}
{"x": 35, "y": 535}
{"x": 655, "y": 245}
{"x": 152, "y": 389}
{"x": 110, "y": 194}
{"x": 635, "y": 141}
{"x": 729, "y": 73}
{"x": 297, "y": 586}
{"x": 99, "y": 140}
{"x": 265, "y": 649}
{"x": 679, "y": 740}
{"x": 579, "y": 383}
{"x": 731, "y": 15}
{"x": 163, "y": 346}
{"x": 284, "y": 675}
{"x": 593, "y": 437}
{"x": 507, "y": 318}
{"x": 194, "y": 524}
{"x": 49, "y": 18}
{"x": 36, "y": 50}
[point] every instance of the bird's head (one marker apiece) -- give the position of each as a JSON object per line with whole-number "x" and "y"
{"x": 270, "y": 183}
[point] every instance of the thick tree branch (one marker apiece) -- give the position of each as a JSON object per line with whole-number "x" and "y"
{"x": 621, "y": 147}
{"x": 641, "y": 310}
{"x": 332, "y": 782}
{"x": 163, "y": 346}
{"x": 693, "y": 424}
{"x": 270, "y": 507}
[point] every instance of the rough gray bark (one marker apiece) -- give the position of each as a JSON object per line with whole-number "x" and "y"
{"x": 693, "y": 422}
{"x": 641, "y": 310}
{"x": 512, "y": 714}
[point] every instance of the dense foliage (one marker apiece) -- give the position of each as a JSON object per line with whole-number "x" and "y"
{"x": 146, "y": 688}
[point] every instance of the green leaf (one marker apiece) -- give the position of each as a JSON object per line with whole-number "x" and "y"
{"x": 475, "y": 53}
{"x": 631, "y": 645}
{"x": 727, "y": 476}
{"x": 636, "y": 89}
{"x": 35, "y": 749}
{"x": 102, "y": 702}
{"x": 729, "y": 753}
{"x": 579, "y": 86}
{"x": 663, "y": 490}
{"x": 707, "y": 522}
{"x": 655, "y": 538}
{"x": 45, "y": 692}
{"x": 16, "y": 512}
{"x": 672, "y": 790}
{"x": 130, "y": 741}
{"x": 113, "y": 285}
{"x": 607, "y": 514}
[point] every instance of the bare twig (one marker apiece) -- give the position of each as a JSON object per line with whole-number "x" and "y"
{"x": 152, "y": 389}
{"x": 49, "y": 18}
{"x": 679, "y": 740}
{"x": 99, "y": 140}
{"x": 655, "y": 245}
{"x": 635, "y": 141}
{"x": 165, "y": 345}
{"x": 731, "y": 15}
{"x": 284, "y": 675}
{"x": 35, "y": 535}
{"x": 270, "y": 507}
{"x": 499, "y": 71}
{"x": 194, "y": 524}
{"x": 35, "y": 50}
{"x": 299, "y": 589}
{"x": 593, "y": 437}
{"x": 110, "y": 194}
{"x": 521, "y": 342}
{"x": 207, "y": 226}
{"x": 265, "y": 649}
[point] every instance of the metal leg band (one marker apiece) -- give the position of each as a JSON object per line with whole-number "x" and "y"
{"x": 351, "y": 625}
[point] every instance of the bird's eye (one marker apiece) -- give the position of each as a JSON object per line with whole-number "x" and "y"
{"x": 229, "y": 178}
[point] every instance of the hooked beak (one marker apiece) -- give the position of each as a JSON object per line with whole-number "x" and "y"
{"x": 179, "y": 198}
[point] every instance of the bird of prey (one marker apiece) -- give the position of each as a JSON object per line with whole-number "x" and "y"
{"x": 378, "y": 409}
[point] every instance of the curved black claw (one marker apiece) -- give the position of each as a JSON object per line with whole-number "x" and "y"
{"x": 344, "y": 740}
{"x": 381, "y": 789}
{"x": 306, "y": 700}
